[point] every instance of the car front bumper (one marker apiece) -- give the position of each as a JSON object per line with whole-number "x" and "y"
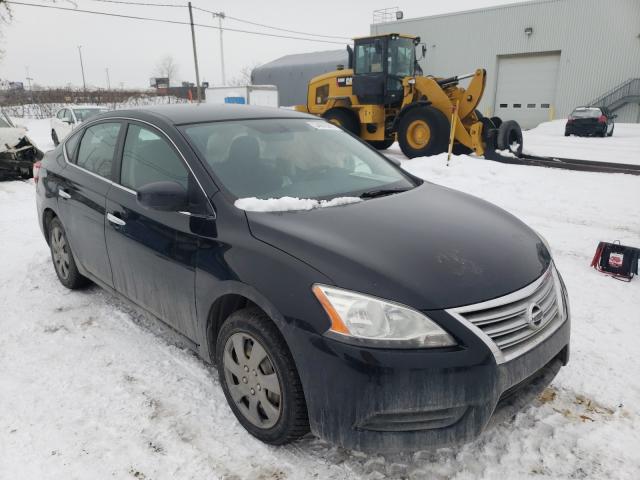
{"x": 393, "y": 400}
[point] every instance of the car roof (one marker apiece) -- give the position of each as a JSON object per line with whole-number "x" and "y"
{"x": 185, "y": 113}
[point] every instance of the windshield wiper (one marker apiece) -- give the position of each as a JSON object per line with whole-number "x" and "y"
{"x": 382, "y": 192}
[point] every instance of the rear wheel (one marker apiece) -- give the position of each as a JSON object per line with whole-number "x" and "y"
{"x": 259, "y": 378}
{"x": 344, "y": 118}
{"x": 62, "y": 257}
{"x": 381, "y": 144}
{"x": 423, "y": 131}
{"x": 510, "y": 137}
{"x": 54, "y": 137}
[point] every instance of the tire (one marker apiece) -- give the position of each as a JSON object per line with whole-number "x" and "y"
{"x": 344, "y": 118}
{"x": 381, "y": 144}
{"x": 610, "y": 134}
{"x": 62, "y": 257}
{"x": 497, "y": 121}
{"x": 54, "y": 137}
{"x": 510, "y": 133}
{"x": 249, "y": 327}
{"x": 423, "y": 131}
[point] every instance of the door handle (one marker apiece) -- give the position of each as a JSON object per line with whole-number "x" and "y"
{"x": 63, "y": 194}
{"x": 115, "y": 220}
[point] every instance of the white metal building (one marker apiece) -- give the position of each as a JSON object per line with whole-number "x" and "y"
{"x": 543, "y": 57}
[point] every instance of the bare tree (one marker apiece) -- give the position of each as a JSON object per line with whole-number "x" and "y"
{"x": 167, "y": 67}
{"x": 244, "y": 77}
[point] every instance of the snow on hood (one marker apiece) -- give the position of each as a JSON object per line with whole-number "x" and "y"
{"x": 286, "y": 204}
{"x": 10, "y": 137}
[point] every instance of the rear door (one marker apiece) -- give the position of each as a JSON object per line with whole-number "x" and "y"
{"x": 153, "y": 253}
{"x": 82, "y": 194}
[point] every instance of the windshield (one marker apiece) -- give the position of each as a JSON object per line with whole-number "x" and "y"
{"x": 83, "y": 114}
{"x": 586, "y": 113}
{"x": 304, "y": 158}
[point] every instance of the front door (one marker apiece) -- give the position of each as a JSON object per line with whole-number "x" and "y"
{"x": 152, "y": 252}
{"x": 82, "y": 195}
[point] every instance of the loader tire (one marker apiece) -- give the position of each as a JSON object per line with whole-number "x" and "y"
{"x": 381, "y": 144}
{"x": 497, "y": 121}
{"x": 423, "y": 131}
{"x": 510, "y": 137}
{"x": 344, "y": 118}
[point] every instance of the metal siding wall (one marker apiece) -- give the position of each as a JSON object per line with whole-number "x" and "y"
{"x": 598, "y": 41}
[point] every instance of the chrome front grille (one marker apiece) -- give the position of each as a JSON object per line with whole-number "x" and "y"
{"x": 516, "y": 322}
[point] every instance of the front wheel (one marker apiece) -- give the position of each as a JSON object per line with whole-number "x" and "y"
{"x": 423, "y": 131}
{"x": 259, "y": 378}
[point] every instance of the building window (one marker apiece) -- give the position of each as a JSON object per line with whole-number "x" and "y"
{"x": 531, "y": 105}
{"x": 544, "y": 105}
{"x": 517, "y": 105}
{"x": 504, "y": 105}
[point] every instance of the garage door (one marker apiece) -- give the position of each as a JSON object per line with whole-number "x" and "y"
{"x": 526, "y": 88}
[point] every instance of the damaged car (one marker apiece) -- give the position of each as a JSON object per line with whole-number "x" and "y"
{"x": 18, "y": 153}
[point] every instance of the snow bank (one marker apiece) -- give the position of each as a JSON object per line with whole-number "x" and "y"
{"x": 286, "y": 204}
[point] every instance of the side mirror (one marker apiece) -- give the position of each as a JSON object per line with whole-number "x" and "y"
{"x": 424, "y": 51}
{"x": 164, "y": 196}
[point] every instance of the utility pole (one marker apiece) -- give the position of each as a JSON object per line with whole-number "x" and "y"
{"x": 108, "y": 79}
{"x": 195, "y": 53}
{"x": 220, "y": 17}
{"x": 84, "y": 83}
{"x": 28, "y": 78}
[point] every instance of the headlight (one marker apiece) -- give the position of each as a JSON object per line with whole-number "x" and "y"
{"x": 545, "y": 241}
{"x": 561, "y": 294}
{"x": 359, "y": 318}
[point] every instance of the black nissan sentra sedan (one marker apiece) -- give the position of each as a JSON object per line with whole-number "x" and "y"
{"x": 335, "y": 292}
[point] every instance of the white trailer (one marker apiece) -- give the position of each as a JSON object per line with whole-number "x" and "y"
{"x": 263, "y": 95}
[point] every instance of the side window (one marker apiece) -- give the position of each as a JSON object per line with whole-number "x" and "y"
{"x": 71, "y": 145}
{"x": 322, "y": 94}
{"x": 97, "y": 148}
{"x": 369, "y": 57}
{"x": 149, "y": 158}
{"x": 67, "y": 115}
{"x": 60, "y": 114}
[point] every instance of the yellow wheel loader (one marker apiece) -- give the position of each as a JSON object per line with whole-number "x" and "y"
{"x": 383, "y": 96}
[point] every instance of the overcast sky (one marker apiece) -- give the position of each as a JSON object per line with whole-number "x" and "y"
{"x": 46, "y": 40}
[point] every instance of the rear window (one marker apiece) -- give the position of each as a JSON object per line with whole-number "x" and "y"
{"x": 586, "y": 113}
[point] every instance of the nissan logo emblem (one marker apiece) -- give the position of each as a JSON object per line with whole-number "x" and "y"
{"x": 534, "y": 316}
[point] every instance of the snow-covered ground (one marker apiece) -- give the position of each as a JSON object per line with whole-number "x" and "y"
{"x": 89, "y": 389}
{"x": 548, "y": 140}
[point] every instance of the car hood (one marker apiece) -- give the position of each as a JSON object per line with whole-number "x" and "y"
{"x": 430, "y": 247}
{"x": 10, "y": 137}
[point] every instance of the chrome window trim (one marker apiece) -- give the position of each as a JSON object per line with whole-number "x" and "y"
{"x": 521, "y": 294}
{"x": 120, "y": 186}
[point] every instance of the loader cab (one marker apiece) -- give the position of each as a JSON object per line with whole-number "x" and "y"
{"x": 379, "y": 65}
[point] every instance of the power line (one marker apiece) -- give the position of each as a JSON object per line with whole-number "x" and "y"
{"x": 142, "y": 4}
{"x": 175, "y": 22}
{"x": 152, "y": 4}
{"x": 269, "y": 26}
